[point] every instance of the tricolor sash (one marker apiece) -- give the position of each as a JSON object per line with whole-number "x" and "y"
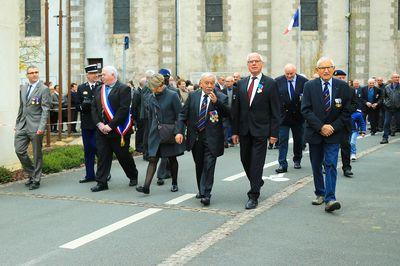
{"x": 109, "y": 113}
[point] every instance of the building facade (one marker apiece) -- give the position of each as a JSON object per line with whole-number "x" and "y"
{"x": 192, "y": 36}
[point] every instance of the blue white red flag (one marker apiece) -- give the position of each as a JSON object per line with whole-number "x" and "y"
{"x": 294, "y": 22}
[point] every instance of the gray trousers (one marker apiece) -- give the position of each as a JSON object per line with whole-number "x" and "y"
{"x": 21, "y": 143}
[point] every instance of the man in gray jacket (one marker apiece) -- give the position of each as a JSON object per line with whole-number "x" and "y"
{"x": 391, "y": 102}
{"x": 30, "y": 125}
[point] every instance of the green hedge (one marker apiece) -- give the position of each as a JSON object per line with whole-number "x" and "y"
{"x": 5, "y": 175}
{"x": 62, "y": 158}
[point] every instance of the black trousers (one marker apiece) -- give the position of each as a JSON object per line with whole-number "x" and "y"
{"x": 164, "y": 169}
{"x": 205, "y": 165}
{"x": 373, "y": 118}
{"x": 252, "y": 154}
{"x": 345, "y": 150}
{"x": 106, "y": 146}
{"x": 145, "y": 123}
{"x": 139, "y": 135}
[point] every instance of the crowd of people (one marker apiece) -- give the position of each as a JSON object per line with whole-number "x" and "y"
{"x": 172, "y": 115}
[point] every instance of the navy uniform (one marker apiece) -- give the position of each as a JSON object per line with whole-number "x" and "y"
{"x": 85, "y": 97}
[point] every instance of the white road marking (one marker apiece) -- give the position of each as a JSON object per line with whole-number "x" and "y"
{"x": 180, "y": 199}
{"x": 120, "y": 224}
{"x": 276, "y": 178}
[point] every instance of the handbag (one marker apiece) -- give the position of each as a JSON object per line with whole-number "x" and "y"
{"x": 166, "y": 132}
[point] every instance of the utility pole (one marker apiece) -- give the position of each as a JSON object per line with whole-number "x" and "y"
{"x": 69, "y": 64}
{"x": 47, "y": 71}
{"x": 60, "y": 91}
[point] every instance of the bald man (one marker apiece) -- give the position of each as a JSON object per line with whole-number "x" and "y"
{"x": 290, "y": 86}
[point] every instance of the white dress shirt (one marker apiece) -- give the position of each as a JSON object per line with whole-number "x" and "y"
{"x": 256, "y": 82}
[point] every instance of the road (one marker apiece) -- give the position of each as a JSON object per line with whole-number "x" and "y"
{"x": 63, "y": 223}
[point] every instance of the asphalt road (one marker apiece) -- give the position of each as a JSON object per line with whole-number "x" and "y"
{"x": 63, "y": 223}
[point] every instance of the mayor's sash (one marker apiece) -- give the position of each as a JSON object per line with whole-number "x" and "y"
{"x": 109, "y": 113}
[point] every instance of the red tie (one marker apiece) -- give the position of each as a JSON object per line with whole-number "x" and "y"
{"x": 250, "y": 90}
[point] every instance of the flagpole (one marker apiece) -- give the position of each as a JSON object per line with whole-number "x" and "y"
{"x": 299, "y": 43}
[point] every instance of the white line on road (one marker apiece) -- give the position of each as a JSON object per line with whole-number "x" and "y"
{"x": 120, "y": 224}
{"x": 180, "y": 199}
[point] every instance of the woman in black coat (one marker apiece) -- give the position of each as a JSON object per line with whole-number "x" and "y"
{"x": 164, "y": 107}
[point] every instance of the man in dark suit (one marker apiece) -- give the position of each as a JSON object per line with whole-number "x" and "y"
{"x": 372, "y": 96}
{"x": 202, "y": 113}
{"x": 88, "y": 128}
{"x": 227, "y": 122}
{"x": 110, "y": 113}
{"x": 290, "y": 86}
{"x": 220, "y": 84}
{"x": 326, "y": 108}
{"x": 255, "y": 113}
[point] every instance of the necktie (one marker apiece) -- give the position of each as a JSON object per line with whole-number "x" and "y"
{"x": 201, "y": 124}
{"x": 291, "y": 90}
{"x": 250, "y": 90}
{"x": 28, "y": 92}
{"x": 326, "y": 96}
{"x": 92, "y": 87}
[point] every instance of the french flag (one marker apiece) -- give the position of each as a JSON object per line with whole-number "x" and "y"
{"x": 294, "y": 22}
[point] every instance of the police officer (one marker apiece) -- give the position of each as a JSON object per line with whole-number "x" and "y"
{"x": 85, "y": 97}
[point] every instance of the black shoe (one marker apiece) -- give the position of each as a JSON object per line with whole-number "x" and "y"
{"x": 174, "y": 188}
{"x": 297, "y": 165}
{"x": 332, "y": 205}
{"x": 199, "y": 196}
{"x": 347, "y": 173}
{"x": 270, "y": 146}
{"x": 86, "y": 180}
{"x": 99, "y": 187}
{"x": 109, "y": 177}
{"x": 373, "y": 133}
{"x": 393, "y": 134}
{"x": 160, "y": 182}
{"x": 276, "y": 147}
{"x": 251, "y": 204}
{"x": 28, "y": 183}
{"x": 281, "y": 169}
{"x": 34, "y": 185}
{"x": 226, "y": 145}
{"x": 384, "y": 141}
{"x": 133, "y": 182}
{"x": 142, "y": 189}
{"x": 205, "y": 201}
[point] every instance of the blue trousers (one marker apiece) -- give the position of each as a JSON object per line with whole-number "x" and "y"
{"x": 297, "y": 132}
{"x": 89, "y": 146}
{"x": 326, "y": 154}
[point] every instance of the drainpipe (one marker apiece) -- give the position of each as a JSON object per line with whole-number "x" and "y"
{"x": 176, "y": 36}
{"x": 348, "y": 17}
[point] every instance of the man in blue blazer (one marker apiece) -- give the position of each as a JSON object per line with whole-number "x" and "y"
{"x": 326, "y": 108}
{"x": 290, "y": 86}
{"x": 255, "y": 118}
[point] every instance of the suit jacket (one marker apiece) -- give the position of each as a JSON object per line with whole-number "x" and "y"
{"x": 33, "y": 112}
{"x": 120, "y": 100}
{"x": 262, "y": 118}
{"x": 360, "y": 101}
{"x": 85, "y": 98}
{"x": 376, "y": 98}
{"x": 291, "y": 110}
{"x": 313, "y": 110}
{"x": 214, "y": 130}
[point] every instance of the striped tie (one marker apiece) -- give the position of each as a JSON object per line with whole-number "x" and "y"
{"x": 326, "y": 96}
{"x": 201, "y": 124}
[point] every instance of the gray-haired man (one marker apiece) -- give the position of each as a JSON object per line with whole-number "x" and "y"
{"x": 30, "y": 125}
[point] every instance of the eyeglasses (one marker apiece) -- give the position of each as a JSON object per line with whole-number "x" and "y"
{"x": 327, "y": 67}
{"x": 35, "y": 72}
{"x": 253, "y": 61}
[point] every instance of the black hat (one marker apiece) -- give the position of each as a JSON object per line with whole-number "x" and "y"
{"x": 339, "y": 72}
{"x": 91, "y": 68}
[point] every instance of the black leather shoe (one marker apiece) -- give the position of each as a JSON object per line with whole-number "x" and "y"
{"x": 251, "y": 204}
{"x": 143, "y": 189}
{"x": 160, "y": 182}
{"x": 205, "y": 201}
{"x": 34, "y": 185}
{"x": 393, "y": 134}
{"x": 28, "y": 183}
{"x": 86, "y": 180}
{"x": 133, "y": 182}
{"x": 384, "y": 141}
{"x": 297, "y": 165}
{"x": 174, "y": 188}
{"x": 281, "y": 169}
{"x": 199, "y": 196}
{"x": 270, "y": 146}
{"x": 347, "y": 173}
{"x": 99, "y": 187}
{"x": 372, "y": 133}
{"x": 109, "y": 177}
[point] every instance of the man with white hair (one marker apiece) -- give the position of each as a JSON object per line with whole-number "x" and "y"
{"x": 372, "y": 96}
{"x": 326, "y": 108}
{"x": 111, "y": 115}
{"x": 255, "y": 114}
